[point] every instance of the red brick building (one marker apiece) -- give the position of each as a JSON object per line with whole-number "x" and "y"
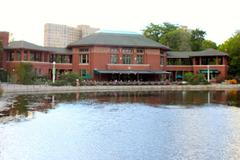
{"x": 112, "y": 56}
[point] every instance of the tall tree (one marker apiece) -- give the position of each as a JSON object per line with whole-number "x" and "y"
{"x": 156, "y": 31}
{"x": 232, "y": 47}
{"x": 197, "y": 38}
{"x": 178, "y": 40}
{"x": 208, "y": 44}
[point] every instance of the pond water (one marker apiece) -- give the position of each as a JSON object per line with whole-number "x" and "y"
{"x": 166, "y": 125}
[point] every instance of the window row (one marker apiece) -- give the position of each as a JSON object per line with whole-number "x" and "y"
{"x": 126, "y": 59}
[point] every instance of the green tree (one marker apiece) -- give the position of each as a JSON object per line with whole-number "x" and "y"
{"x": 69, "y": 78}
{"x": 208, "y": 44}
{"x": 178, "y": 40}
{"x": 232, "y": 47}
{"x": 24, "y": 73}
{"x": 197, "y": 38}
{"x": 156, "y": 31}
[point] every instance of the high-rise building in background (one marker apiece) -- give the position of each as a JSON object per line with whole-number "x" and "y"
{"x": 57, "y": 35}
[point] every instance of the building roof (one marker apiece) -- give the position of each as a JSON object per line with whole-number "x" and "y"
{"x": 188, "y": 54}
{"x": 59, "y": 50}
{"x": 118, "y": 39}
{"x": 24, "y": 45}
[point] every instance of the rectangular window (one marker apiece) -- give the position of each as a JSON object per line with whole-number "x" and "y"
{"x": 114, "y": 50}
{"x": 32, "y": 55}
{"x": 220, "y": 60}
{"x": 25, "y": 58}
{"x": 114, "y": 59}
{"x": 45, "y": 57}
{"x": 11, "y": 57}
{"x": 127, "y": 59}
{"x": 84, "y": 50}
{"x": 18, "y": 56}
{"x": 127, "y": 50}
{"x": 161, "y": 60}
{"x": 38, "y": 57}
{"x": 84, "y": 59}
{"x": 140, "y": 51}
{"x": 139, "y": 59}
{"x": 84, "y": 55}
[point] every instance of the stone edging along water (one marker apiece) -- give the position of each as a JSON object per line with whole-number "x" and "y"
{"x": 22, "y": 89}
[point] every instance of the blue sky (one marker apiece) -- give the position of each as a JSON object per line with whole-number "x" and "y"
{"x": 26, "y": 18}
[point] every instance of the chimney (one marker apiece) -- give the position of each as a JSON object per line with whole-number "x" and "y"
{"x": 4, "y": 38}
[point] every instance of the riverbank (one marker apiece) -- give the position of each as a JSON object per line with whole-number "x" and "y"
{"x": 29, "y": 89}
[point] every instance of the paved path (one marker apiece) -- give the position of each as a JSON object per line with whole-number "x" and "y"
{"x": 26, "y": 89}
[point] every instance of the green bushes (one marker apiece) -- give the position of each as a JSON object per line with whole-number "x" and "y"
{"x": 24, "y": 73}
{"x": 195, "y": 79}
{"x": 1, "y": 91}
{"x": 68, "y": 79}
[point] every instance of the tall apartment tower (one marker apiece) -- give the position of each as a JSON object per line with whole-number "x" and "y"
{"x": 57, "y": 35}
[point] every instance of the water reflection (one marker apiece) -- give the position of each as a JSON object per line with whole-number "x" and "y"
{"x": 24, "y": 106}
{"x": 123, "y": 125}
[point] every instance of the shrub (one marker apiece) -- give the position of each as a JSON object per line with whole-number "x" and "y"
{"x": 24, "y": 73}
{"x": 189, "y": 77}
{"x": 1, "y": 90}
{"x": 195, "y": 79}
{"x": 40, "y": 80}
{"x": 232, "y": 81}
{"x": 68, "y": 78}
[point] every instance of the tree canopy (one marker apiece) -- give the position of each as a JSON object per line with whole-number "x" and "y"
{"x": 178, "y": 38}
{"x": 232, "y": 47}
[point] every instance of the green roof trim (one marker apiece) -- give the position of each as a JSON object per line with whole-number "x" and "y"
{"x": 188, "y": 54}
{"x": 117, "y": 39}
{"x": 129, "y": 72}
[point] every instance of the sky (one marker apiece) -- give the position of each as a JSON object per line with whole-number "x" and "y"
{"x": 25, "y": 19}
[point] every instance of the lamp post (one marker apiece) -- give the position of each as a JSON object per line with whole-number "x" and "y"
{"x": 208, "y": 73}
{"x": 54, "y": 72}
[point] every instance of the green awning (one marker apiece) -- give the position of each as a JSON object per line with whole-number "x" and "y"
{"x": 205, "y": 71}
{"x": 87, "y": 76}
{"x": 129, "y": 72}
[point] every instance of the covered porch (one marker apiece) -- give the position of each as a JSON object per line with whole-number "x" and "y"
{"x": 131, "y": 75}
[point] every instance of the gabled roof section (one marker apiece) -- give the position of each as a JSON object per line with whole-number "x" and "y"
{"x": 59, "y": 50}
{"x": 117, "y": 39}
{"x": 210, "y": 52}
{"x": 188, "y": 54}
{"x": 24, "y": 45}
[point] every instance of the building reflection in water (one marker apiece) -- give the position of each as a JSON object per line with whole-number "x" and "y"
{"x": 26, "y": 105}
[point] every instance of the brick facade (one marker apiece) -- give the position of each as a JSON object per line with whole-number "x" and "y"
{"x": 91, "y": 58}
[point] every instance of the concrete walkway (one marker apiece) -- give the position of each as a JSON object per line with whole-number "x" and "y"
{"x": 26, "y": 89}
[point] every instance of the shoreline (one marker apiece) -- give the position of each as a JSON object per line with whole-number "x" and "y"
{"x": 42, "y": 89}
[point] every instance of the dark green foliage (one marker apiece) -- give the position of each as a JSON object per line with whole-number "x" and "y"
{"x": 178, "y": 38}
{"x": 208, "y": 44}
{"x": 189, "y": 77}
{"x": 197, "y": 38}
{"x": 195, "y": 79}
{"x": 1, "y": 91}
{"x": 3, "y": 76}
{"x": 41, "y": 80}
{"x": 156, "y": 32}
{"x": 232, "y": 47}
{"x": 69, "y": 78}
{"x": 24, "y": 73}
